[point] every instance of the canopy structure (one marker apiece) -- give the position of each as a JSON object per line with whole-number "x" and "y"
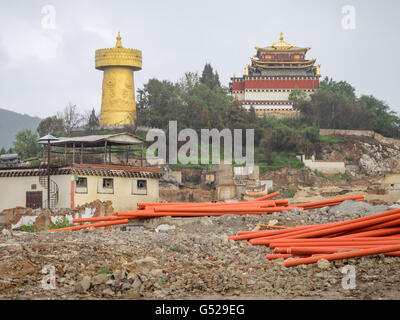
{"x": 106, "y": 146}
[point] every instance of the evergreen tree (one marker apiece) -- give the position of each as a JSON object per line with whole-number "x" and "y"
{"x": 209, "y": 78}
{"x": 93, "y": 121}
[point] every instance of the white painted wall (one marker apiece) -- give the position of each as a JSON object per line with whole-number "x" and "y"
{"x": 262, "y": 96}
{"x": 325, "y": 166}
{"x": 122, "y": 195}
{"x": 268, "y": 95}
{"x": 13, "y": 190}
{"x": 30, "y": 220}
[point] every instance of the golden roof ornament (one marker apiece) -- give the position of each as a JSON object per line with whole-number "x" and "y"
{"x": 119, "y": 43}
{"x": 282, "y": 44}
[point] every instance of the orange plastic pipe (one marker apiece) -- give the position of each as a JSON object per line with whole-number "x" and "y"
{"x": 331, "y": 244}
{"x": 393, "y": 223}
{"x": 95, "y": 225}
{"x": 344, "y": 255}
{"x": 277, "y": 256}
{"x": 393, "y": 254}
{"x": 195, "y": 213}
{"x": 372, "y": 233}
{"x": 264, "y": 233}
{"x": 222, "y": 210}
{"x": 313, "y": 250}
{"x": 111, "y": 223}
{"x": 212, "y": 204}
{"x": 284, "y": 256}
{"x": 324, "y": 227}
{"x": 279, "y": 242}
{"x": 345, "y": 226}
{"x": 323, "y": 204}
{"x": 309, "y": 204}
{"x": 80, "y": 220}
{"x": 360, "y": 239}
{"x": 71, "y": 228}
{"x": 268, "y": 196}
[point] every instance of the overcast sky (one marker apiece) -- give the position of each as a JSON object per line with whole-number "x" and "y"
{"x": 43, "y": 68}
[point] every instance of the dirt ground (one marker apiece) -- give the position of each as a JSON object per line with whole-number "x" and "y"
{"x": 191, "y": 260}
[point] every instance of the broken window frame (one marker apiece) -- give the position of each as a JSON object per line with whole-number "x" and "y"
{"x": 101, "y": 188}
{"x": 136, "y": 190}
{"x": 83, "y": 188}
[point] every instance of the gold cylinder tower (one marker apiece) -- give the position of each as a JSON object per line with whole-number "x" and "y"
{"x": 118, "y": 105}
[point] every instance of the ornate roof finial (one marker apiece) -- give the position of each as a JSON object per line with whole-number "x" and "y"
{"x": 281, "y": 37}
{"x": 119, "y": 43}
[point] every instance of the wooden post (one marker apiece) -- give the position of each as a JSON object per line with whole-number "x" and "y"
{"x": 105, "y": 152}
{"x": 65, "y": 154}
{"x": 73, "y": 152}
{"x": 141, "y": 155}
{"x": 81, "y": 153}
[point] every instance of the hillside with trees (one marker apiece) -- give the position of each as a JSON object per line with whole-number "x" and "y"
{"x": 11, "y": 123}
{"x": 201, "y": 102}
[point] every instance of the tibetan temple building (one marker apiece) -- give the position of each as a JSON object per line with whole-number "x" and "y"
{"x": 274, "y": 72}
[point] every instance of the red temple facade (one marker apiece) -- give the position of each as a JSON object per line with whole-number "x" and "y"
{"x": 274, "y": 72}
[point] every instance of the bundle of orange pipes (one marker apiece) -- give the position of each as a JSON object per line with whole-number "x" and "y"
{"x": 370, "y": 235}
{"x": 258, "y": 206}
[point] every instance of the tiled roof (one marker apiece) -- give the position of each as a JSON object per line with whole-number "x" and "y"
{"x": 87, "y": 170}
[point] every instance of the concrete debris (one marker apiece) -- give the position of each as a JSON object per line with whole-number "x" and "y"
{"x": 323, "y": 264}
{"x": 100, "y": 279}
{"x": 83, "y": 285}
{"x": 6, "y": 233}
{"x": 273, "y": 222}
{"x": 164, "y": 227}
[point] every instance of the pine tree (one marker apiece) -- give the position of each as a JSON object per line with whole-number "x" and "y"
{"x": 209, "y": 78}
{"x": 93, "y": 121}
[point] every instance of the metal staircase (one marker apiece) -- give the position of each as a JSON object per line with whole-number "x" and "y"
{"x": 54, "y": 192}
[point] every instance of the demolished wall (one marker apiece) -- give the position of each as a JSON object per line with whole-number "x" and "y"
{"x": 15, "y": 218}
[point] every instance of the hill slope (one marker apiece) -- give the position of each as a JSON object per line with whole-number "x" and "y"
{"x": 11, "y": 123}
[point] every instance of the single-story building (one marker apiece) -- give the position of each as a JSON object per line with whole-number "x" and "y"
{"x": 9, "y": 158}
{"x": 77, "y": 184}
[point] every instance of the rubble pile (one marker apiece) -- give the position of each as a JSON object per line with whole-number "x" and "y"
{"x": 194, "y": 260}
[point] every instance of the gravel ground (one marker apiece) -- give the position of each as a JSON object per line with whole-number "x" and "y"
{"x": 192, "y": 261}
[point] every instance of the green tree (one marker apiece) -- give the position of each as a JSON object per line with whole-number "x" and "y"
{"x": 3, "y": 151}
{"x": 297, "y": 96}
{"x": 209, "y": 78}
{"x": 159, "y": 102}
{"x": 383, "y": 120}
{"x": 341, "y": 88}
{"x": 50, "y": 125}
{"x": 26, "y": 144}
